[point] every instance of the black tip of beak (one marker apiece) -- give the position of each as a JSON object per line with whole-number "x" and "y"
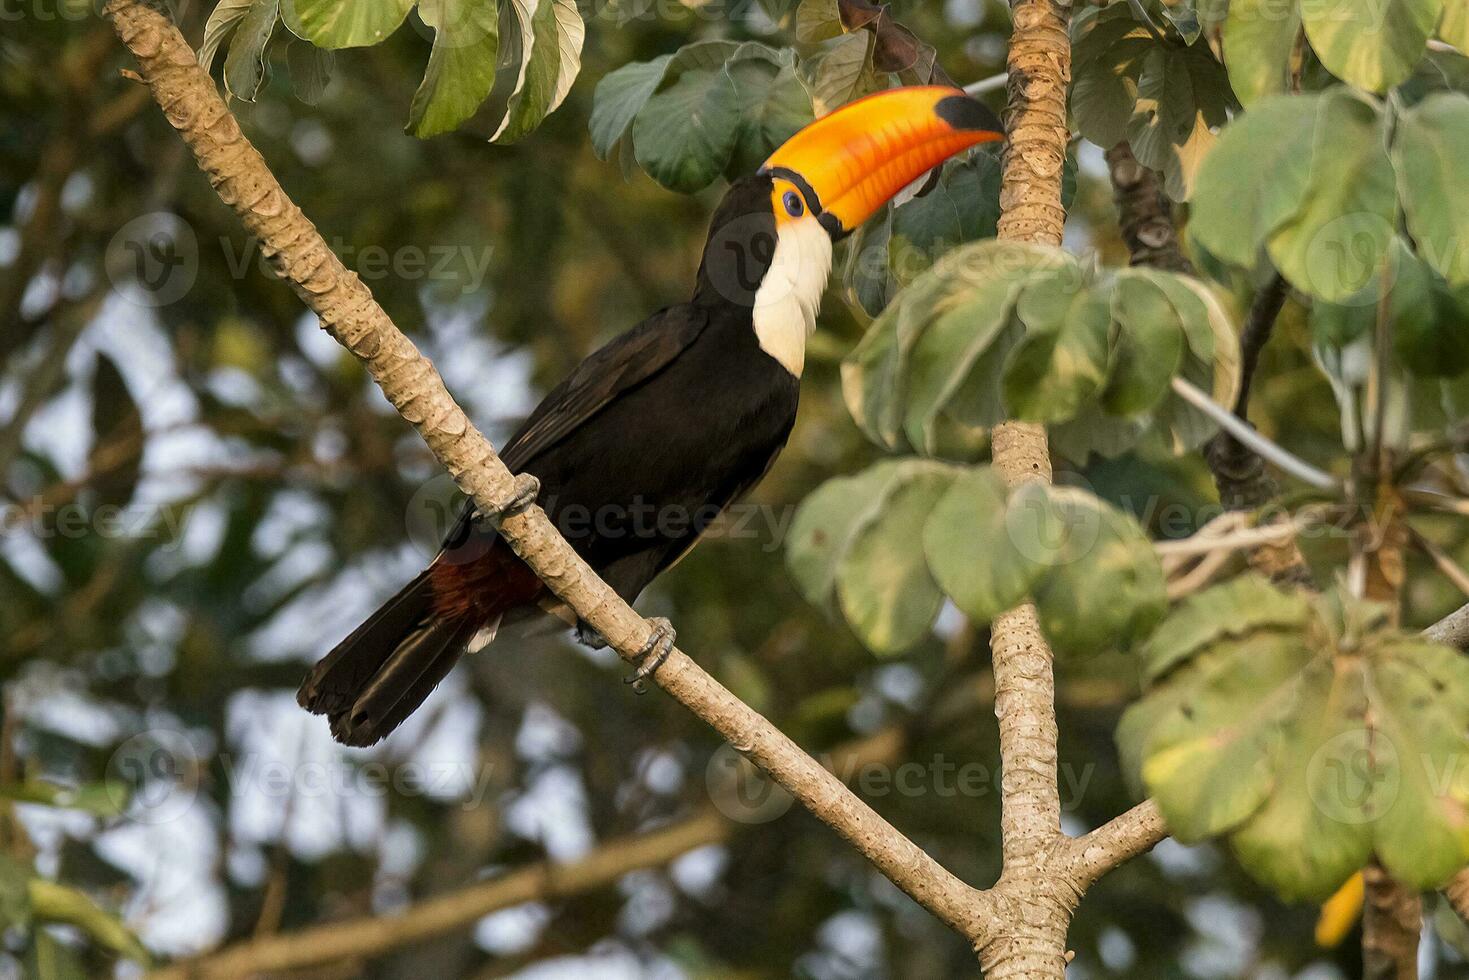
{"x": 965, "y": 113}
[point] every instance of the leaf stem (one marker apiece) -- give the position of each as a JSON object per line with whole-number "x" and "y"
{"x": 1246, "y": 434}
{"x": 991, "y": 84}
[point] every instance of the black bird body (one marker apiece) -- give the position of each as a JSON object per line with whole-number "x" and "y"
{"x": 637, "y": 452}
{"x": 633, "y": 506}
{"x": 654, "y": 434}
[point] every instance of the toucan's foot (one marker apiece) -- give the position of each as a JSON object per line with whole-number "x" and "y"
{"x": 527, "y": 489}
{"x": 653, "y": 654}
{"x": 589, "y": 637}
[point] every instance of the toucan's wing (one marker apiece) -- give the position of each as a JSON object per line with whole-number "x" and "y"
{"x": 619, "y": 366}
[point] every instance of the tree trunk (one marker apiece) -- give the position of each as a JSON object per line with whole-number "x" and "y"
{"x": 1034, "y": 943}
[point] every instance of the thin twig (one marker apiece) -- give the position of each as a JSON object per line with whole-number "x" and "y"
{"x": 992, "y": 84}
{"x": 1258, "y": 327}
{"x": 1227, "y": 420}
{"x": 1235, "y": 540}
{"x": 1445, "y": 563}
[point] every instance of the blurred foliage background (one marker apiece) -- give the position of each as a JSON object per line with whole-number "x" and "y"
{"x": 203, "y": 494}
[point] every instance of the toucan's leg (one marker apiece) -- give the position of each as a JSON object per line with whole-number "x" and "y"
{"x": 653, "y": 654}
{"x": 527, "y": 489}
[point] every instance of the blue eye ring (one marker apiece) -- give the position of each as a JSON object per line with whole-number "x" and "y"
{"x": 794, "y": 206}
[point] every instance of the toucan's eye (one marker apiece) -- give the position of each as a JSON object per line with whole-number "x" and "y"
{"x": 793, "y": 204}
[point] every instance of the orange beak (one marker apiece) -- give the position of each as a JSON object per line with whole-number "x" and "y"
{"x": 851, "y": 162}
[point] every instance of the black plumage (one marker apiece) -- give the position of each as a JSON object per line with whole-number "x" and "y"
{"x": 637, "y": 452}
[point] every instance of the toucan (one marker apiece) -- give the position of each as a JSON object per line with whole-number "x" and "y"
{"x": 635, "y": 453}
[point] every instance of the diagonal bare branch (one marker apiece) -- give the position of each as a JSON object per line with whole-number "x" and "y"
{"x": 349, "y": 313}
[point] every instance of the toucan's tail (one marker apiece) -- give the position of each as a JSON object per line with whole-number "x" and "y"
{"x": 380, "y": 674}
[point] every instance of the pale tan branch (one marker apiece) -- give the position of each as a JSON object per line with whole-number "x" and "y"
{"x": 1035, "y": 909}
{"x": 1452, "y": 630}
{"x": 1116, "y": 842}
{"x": 369, "y": 936}
{"x": 349, "y": 313}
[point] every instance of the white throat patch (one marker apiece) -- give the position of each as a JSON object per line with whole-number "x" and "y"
{"x": 790, "y": 294}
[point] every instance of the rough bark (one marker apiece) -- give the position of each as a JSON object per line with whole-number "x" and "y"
{"x": 348, "y": 312}
{"x": 1036, "y": 911}
{"x": 1144, "y": 213}
{"x": 1392, "y": 913}
{"x": 1392, "y": 918}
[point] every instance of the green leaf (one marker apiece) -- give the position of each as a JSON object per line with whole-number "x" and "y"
{"x": 515, "y": 46}
{"x": 1148, "y": 348}
{"x": 685, "y": 134}
{"x": 1062, "y": 360}
{"x": 1336, "y": 239}
{"x": 225, "y": 17}
{"x": 1313, "y": 734}
{"x": 970, "y": 540}
{"x": 962, "y": 206}
{"x": 531, "y": 99}
{"x": 883, "y": 584}
{"x": 951, "y": 324}
{"x": 245, "y": 65}
{"x": 853, "y": 543}
{"x": 1182, "y": 93}
{"x": 1209, "y": 759}
{"x": 1102, "y": 585}
{"x": 818, "y": 20}
{"x": 923, "y": 229}
{"x": 865, "y": 272}
{"x": 461, "y": 65}
{"x": 1244, "y": 605}
{"x": 1430, "y": 321}
{"x": 1259, "y": 36}
{"x": 311, "y": 70}
{"x": 571, "y": 33}
{"x": 1311, "y": 835}
{"x": 1429, "y": 152}
{"x": 773, "y": 105}
{"x": 1434, "y": 343}
{"x": 1107, "y": 60}
{"x": 1211, "y": 360}
{"x": 345, "y": 23}
{"x": 1370, "y": 43}
{"x": 1423, "y": 698}
{"x": 618, "y": 98}
{"x": 1255, "y": 178}
{"x": 844, "y": 72}
{"x": 1182, "y": 16}
{"x": 825, "y": 525}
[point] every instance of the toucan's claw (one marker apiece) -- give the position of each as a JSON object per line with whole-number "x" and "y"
{"x": 653, "y": 654}
{"x": 527, "y": 489}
